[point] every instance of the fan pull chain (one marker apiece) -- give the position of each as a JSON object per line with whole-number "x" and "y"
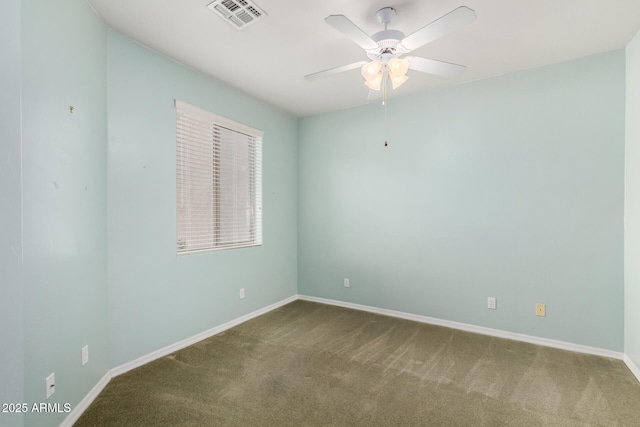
{"x": 385, "y": 125}
{"x": 384, "y": 104}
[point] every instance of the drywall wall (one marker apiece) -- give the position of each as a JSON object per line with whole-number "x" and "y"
{"x": 510, "y": 187}
{"x": 11, "y": 301}
{"x": 64, "y": 197}
{"x": 632, "y": 206}
{"x": 156, "y": 297}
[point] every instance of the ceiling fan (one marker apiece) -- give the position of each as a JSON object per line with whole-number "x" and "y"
{"x": 385, "y": 49}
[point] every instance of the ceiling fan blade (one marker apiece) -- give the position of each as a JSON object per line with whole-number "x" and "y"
{"x": 351, "y": 30}
{"x": 453, "y": 20}
{"x": 431, "y": 66}
{"x": 336, "y": 70}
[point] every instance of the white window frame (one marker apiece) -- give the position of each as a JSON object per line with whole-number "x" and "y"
{"x": 218, "y": 182}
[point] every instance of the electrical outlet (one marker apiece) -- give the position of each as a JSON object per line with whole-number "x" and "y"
{"x": 491, "y": 303}
{"x": 241, "y": 293}
{"x": 85, "y": 355}
{"x": 541, "y": 310}
{"x": 346, "y": 282}
{"x": 50, "y": 384}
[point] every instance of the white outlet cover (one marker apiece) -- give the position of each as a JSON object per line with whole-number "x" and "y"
{"x": 85, "y": 355}
{"x": 241, "y": 293}
{"x": 491, "y": 303}
{"x": 346, "y": 282}
{"x": 50, "y": 384}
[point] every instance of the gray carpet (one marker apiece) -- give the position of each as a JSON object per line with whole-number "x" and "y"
{"x": 309, "y": 364}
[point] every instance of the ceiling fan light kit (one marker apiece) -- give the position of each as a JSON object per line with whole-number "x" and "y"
{"x": 375, "y": 71}
{"x": 386, "y": 47}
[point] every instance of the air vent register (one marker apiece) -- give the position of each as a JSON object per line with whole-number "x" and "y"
{"x": 239, "y": 13}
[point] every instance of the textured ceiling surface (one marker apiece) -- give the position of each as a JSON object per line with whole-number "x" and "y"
{"x": 270, "y": 58}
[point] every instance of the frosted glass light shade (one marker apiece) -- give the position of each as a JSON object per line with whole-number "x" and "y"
{"x": 398, "y": 67}
{"x": 375, "y": 82}
{"x": 371, "y": 70}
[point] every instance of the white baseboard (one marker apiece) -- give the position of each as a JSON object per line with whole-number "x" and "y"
{"x": 472, "y": 328}
{"x": 119, "y": 370}
{"x": 632, "y": 366}
{"x": 86, "y": 401}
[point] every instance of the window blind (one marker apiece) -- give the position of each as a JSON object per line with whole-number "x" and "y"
{"x": 218, "y": 182}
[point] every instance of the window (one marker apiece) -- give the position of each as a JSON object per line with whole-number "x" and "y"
{"x": 218, "y": 181}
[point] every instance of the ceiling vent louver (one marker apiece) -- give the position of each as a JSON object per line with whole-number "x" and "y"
{"x": 239, "y": 13}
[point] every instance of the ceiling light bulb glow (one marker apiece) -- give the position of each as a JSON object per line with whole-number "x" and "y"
{"x": 371, "y": 70}
{"x": 398, "y": 67}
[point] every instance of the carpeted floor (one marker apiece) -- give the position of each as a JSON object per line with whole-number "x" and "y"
{"x": 309, "y": 364}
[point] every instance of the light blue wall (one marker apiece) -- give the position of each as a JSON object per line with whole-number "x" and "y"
{"x": 156, "y": 298}
{"x": 11, "y": 300}
{"x": 64, "y": 195}
{"x": 632, "y": 206}
{"x": 510, "y": 187}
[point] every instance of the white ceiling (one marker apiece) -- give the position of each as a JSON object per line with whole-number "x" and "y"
{"x": 270, "y": 58}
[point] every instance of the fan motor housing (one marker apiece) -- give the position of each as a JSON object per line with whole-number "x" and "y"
{"x": 388, "y": 41}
